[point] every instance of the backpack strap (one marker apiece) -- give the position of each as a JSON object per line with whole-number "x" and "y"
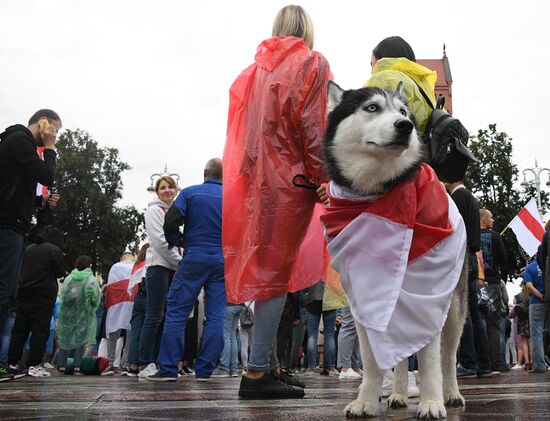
{"x": 426, "y": 97}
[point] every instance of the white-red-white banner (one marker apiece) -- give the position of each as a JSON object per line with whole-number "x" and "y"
{"x": 528, "y": 227}
{"x": 399, "y": 257}
{"x": 118, "y": 303}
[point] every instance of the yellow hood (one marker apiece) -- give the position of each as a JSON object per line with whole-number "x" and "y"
{"x": 388, "y": 72}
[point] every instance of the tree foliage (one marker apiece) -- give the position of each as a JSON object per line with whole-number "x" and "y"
{"x": 493, "y": 179}
{"x": 88, "y": 179}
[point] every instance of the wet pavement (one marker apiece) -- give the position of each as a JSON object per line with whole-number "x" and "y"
{"x": 510, "y": 396}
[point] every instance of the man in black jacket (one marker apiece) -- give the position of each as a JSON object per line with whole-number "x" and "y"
{"x": 36, "y": 294}
{"x": 473, "y": 352}
{"x": 20, "y": 170}
{"x": 494, "y": 265}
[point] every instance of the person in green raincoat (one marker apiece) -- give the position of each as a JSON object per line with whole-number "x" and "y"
{"x": 79, "y": 299}
{"x": 393, "y": 61}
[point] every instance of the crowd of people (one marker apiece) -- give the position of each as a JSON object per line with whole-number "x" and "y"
{"x": 245, "y": 298}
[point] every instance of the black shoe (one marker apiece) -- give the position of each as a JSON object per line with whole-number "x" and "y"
{"x": 286, "y": 377}
{"x": 268, "y": 387}
{"x": 485, "y": 374}
{"x": 5, "y": 373}
{"x": 465, "y": 373}
{"x": 13, "y": 370}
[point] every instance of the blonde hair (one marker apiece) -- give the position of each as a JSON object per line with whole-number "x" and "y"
{"x": 293, "y": 21}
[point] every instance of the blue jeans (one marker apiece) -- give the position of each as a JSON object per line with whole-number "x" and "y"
{"x": 11, "y": 253}
{"x": 138, "y": 316}
{"x": 191, "y": 277}
{"x": 158, "y": 279}
{"x": 329, "y": 324}
{"x": 539, "y": 314}
{"x": 349, "y": 354}
{"x": 263, "y": 350}
{"x": 5, "y": 338}
{"x": 229, "y": 359}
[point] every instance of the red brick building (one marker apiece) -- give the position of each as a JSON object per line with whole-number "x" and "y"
{"x": 443, "y": 86}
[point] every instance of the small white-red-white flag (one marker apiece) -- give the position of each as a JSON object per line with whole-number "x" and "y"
{"x": 528, "y": 227}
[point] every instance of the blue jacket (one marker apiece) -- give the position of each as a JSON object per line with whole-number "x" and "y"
{"x": 199, "y": 209}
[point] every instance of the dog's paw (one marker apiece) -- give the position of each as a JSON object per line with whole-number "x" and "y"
{"x": 431, "y": 410}
{"x": 454, "y": 399}
{"x": 397, "y": 400}
{"x": 358, "y": 409}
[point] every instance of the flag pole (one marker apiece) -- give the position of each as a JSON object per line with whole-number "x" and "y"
{"x": 504, "y": 230}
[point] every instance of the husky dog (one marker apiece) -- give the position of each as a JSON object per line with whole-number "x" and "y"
{"x": 371, "y": 146}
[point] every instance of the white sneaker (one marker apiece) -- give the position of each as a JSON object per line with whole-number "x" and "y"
{"x": 38, "y": 371}
{"x": 48, "y": 366}
{"x": 387, "y": 385}
{"x": 516, "y": 367}
{"x": 412, "y": 389}
{"x": 349, "y": 374}
{"x": 147, "y": 371}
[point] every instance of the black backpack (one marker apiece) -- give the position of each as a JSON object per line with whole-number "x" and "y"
{"x": 247, "y": 316}
{"x": 445, "y": 135}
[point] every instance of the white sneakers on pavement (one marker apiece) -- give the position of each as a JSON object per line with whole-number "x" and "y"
{"x": 387, "y": 385}
{"x": 38, "y": 371}
{"x": 147, "y": 371}
{"x": 349, "y": 374}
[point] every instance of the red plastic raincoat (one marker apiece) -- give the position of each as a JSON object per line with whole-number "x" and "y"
{"x": 276, "y": 120}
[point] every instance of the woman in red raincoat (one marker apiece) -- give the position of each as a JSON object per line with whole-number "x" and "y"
{"x": 276, "y": 121}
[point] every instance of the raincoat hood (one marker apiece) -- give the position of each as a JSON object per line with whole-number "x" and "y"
{"x": 422, "y": 75}
{"x": 80, "y": 275}
{"x": 271, "y": 52}
{"x": 388, "y": 72}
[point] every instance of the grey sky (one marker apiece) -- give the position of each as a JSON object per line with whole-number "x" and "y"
{"x": 151, "y": 78}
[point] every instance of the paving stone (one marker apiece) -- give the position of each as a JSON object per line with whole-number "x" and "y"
{"x": 510, "y": 396}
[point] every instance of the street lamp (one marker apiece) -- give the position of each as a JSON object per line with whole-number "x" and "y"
{"x": 536, "y": 181}
{"x": 153, "y": 177}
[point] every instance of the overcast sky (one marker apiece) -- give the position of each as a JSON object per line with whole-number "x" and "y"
{"x": 151, "y": 78}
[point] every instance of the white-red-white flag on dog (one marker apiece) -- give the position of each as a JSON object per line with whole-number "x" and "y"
{"x": 399, "y": 257}
{"x": 528, "y": 227}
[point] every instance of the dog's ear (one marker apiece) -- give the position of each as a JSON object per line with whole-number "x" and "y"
{"x": 399, "y": 89}
{"x": 334, "y": 95}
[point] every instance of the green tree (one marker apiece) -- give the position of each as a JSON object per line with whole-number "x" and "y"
{"x": 88, "y": 179}
{"x": 493, "y": 179}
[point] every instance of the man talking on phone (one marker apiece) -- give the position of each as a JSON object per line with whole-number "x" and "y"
{"x": 20, "y": 170}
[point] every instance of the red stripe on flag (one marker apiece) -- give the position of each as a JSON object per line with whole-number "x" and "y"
{"x": 117, "y": 292}
{"x": 531, "y": 223}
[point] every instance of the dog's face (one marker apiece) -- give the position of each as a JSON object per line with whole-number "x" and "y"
{"x": 371, "y": 143}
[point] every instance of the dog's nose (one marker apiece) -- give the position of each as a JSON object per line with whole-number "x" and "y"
{"x": 404, "y": 126}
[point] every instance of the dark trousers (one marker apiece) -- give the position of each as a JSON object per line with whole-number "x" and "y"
{"x": 33, "y": 315}
{"x": 138, "y": 317}
{"x": 492, "y": 321}
{"x": 474, "y": 348}
{"x": 11, "y": 253}
{"x": 158, "y": 280}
